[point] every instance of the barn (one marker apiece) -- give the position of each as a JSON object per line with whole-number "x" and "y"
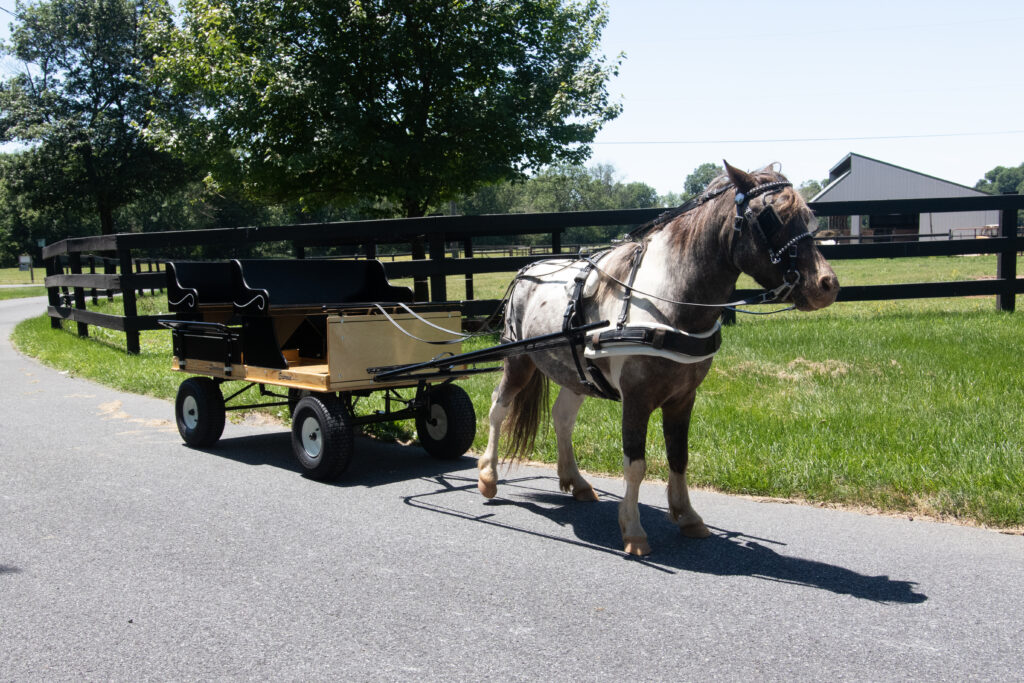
{"x": 860, "y": 178}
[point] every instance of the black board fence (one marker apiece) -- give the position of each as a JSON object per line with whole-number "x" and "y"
{"x": 132, "y": 261}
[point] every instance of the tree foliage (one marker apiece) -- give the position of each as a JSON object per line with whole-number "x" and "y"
{"x": 408, "y": 102}
{"x": 699, "y": 179}
{"x": 1001, "y": 180}
{"x": 565, "y": 188}
{"x": 79, "y": 104}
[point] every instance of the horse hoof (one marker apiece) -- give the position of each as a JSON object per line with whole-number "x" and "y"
{"x": 697, "y": 530}
{"x": 587, "y": 495}
{"x": 489, "y": 489}
{"x": 637, "y": 546}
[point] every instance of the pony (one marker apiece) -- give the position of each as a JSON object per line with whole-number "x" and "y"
{"x": 665, "y": 289}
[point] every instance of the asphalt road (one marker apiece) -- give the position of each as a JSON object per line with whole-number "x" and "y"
{"x": 125, "y": 555}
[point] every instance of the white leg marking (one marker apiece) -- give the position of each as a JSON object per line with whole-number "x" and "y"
{"x": 634, "y": 538}
{"x": 563, "y": 413}
{"x": 681, "y": 511}
{"x": 487, "y": 465}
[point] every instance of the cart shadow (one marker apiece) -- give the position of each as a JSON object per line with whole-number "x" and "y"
{"x": 374, "y": 463}
{"x": 725, "y": 553}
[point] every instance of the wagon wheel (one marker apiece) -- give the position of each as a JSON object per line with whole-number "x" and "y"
{"x": 199, "y": 411}
{"x": 322, "y": 436}
{"x": 447, "y": 423}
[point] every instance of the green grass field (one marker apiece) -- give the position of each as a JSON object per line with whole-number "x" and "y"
{"x": 21, "y": 292}
{"x": 908, "y": 406}
{"x": 13, "y": 276}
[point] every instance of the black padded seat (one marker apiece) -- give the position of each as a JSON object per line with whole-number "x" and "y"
{"x": 263, "y": 285}
{"x": 192, "y": 285}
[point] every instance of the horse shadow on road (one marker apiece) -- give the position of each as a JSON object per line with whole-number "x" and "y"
{"x": 726, "y": 553}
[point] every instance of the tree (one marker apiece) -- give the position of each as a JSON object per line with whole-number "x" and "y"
{"x": 409, "y": 102}
{"x": 809, "y": 189}
{"x": 699, "y": 180}
{"x": 80, "y": 103}
{"x": 565, "y": 188}
{"x": 1001, "y": 180}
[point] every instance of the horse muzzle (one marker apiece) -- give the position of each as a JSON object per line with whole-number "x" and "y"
{"x": 817, "y": 291}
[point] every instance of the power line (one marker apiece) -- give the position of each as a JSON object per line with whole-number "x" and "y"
{"x": 774, "y": 140}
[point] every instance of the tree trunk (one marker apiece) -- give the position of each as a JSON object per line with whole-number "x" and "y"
{"x": 106, "y": 212}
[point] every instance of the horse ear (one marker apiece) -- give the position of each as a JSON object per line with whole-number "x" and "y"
{"x": 742, "y": 180}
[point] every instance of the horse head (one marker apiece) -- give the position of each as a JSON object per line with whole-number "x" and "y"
{"x": 771, "y": 239}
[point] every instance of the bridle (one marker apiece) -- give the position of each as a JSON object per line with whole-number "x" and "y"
{"x": 771, "y": 230}
{"x": 765, "y": 222}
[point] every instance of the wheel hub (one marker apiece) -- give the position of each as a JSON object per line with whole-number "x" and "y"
{"x": 190, "y": 412}
{"x": 312, "y": 442}
{"x": 437, "y": 423}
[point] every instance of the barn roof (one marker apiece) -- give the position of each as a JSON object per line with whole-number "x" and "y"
{"x": 857, "y": 177}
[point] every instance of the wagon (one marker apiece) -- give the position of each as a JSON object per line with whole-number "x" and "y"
{"x": 319, "y": 335}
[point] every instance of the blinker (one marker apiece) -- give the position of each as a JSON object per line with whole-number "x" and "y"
{"x": 769, "y": 221}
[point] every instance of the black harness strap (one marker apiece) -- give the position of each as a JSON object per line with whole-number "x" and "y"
{"x": 627, "y": 295}
{"x": 658, "y": 338}
{"x": 599, "y": 385}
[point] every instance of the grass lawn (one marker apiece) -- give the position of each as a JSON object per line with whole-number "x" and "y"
{"x": 21, "y": 292}
{"x": 13, "y": 276}
{"x": 910, "y": 406}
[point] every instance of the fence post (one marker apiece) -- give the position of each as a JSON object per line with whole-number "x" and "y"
{"x": 438, "y": 283}
{"x": 467, "y": 250}
{"x": 420, "y": 288}
{"x": 75, "y": 264}
{"x": 92, "y": 271}
{"x": 131, "y": 311}
{"x": 1006, "y": 265}
{"x": 299, "y": 249}
{"x": 53, "y": 267}
{"x": 109, "y": 268}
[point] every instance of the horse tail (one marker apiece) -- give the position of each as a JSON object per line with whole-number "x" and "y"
{"x": 529, "y": 407}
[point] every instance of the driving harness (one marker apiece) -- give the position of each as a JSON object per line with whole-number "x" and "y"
{"x": 662, "y": 340}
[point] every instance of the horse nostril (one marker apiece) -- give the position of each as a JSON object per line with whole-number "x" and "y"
{"x": 828, "y": 283}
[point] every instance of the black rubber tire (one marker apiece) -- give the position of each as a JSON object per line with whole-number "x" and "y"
{"x": 446, "y": 425}
{"x": 323, "y": 438}
{"x": 199, "y": 411}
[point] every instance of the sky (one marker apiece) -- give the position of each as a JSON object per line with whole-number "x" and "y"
{"x": 936, "y": 87}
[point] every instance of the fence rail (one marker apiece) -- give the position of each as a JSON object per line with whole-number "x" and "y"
{"x": 128, "y": 272}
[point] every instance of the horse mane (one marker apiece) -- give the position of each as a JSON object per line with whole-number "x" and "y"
{"x": 703, "y": 209}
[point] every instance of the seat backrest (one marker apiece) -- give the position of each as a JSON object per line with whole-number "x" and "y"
{"x": 192, "y": 284}
{"x": 264, "y": 284}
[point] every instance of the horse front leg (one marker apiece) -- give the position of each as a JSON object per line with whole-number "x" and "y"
{"x": 517, "y": 372}
{"x": 676, "y": 424}
{"x": 634, "y": 468}
{"x": 563, "y": 414}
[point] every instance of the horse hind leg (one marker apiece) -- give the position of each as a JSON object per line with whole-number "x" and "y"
{"x": 516, "y": 375}
{"x": 563, "y": 414}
